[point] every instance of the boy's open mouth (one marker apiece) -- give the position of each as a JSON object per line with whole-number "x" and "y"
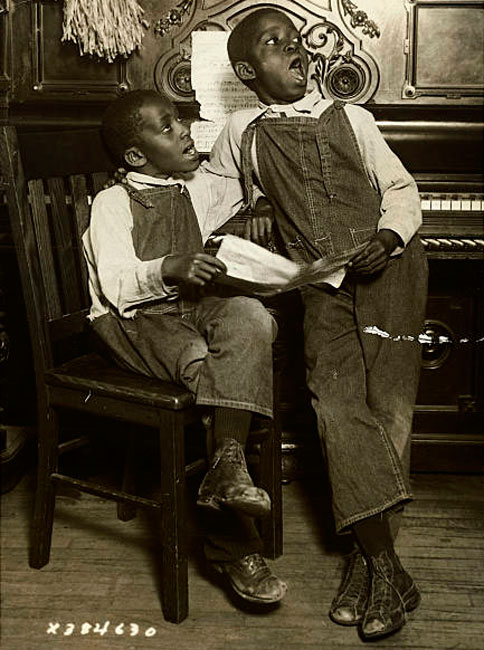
{"x": 190, "y": 150}
{"x": 297, "y": 69}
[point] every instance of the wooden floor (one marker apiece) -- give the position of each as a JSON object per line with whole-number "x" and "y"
{"x": 104, "y": 570}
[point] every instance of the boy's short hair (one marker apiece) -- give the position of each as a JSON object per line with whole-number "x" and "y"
{"x": 121, "y": 122}
{"x": 239, "y": 42}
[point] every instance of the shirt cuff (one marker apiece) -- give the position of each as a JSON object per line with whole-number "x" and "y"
{"x": 256, "y": 194}
{"x": 159, "y": 287}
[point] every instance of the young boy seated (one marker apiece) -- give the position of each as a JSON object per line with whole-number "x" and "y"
{"x": 149, "y": 281}
{"x": 334, "y": 184}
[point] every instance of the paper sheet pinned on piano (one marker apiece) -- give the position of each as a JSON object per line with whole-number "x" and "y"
{"x": 217, "y": 89}
{"x": 255, "y": 270}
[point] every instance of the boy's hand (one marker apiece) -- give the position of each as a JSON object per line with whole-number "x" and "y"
{"x": 374, "y": 257}
{"x": 191, "y": 268}
{"x": 258, "y": 227}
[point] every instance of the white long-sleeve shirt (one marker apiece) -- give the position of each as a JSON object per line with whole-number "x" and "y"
{"x": 117, "y": 277}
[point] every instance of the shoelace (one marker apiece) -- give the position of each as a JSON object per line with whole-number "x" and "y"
{"x": 357, "y": 576}
{"x": 255, "y": 562}
{"x": 230, "y": 453}
{"x": 379, "y": 570}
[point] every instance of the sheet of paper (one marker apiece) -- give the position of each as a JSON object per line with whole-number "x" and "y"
{"x": 217, "y": 89}
{"x": 255, "y": 270}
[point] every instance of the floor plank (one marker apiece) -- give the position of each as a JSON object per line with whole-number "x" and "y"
{"x": 103, "y": 570}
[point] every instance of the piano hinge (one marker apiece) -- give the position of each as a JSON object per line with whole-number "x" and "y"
{"x": 406, "y": 46}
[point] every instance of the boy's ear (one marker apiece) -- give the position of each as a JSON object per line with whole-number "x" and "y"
{"x": 244, "y": 71}
{"x": 135, "y": 157}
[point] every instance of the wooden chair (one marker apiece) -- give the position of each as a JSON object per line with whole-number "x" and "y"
{"x": 48, "y": 217}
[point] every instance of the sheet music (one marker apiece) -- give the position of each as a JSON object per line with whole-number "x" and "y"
{"x": 216, "y": 86}
{"x": 256, "y": 271}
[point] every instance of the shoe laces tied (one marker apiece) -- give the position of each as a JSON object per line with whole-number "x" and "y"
{"x": 229, "y": 451}
{"x": 379, "y": 569}
{"x": 356, "y": 575}
{"x": 255, "y": 562}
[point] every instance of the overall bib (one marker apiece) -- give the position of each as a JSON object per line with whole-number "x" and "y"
{"x": 219, "y": 348}
{"x": 363, "y": 385}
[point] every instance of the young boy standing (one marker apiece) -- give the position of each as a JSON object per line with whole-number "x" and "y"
{"x": 334, "y": 184}
{"x": 149, "y": 282}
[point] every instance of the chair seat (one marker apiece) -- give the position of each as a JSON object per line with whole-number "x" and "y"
{"x": 98, "y": 376}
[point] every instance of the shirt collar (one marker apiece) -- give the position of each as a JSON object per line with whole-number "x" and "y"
{"x": 303, "y": 105}
{"x": 145, "y": 180}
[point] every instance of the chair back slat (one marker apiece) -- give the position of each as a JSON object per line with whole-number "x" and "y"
{"x": 48, "y": 218}
{"x": 80, "y": 207}
{"x": 98, "y": 181}
{"x": 64, "y": 239}
{"x": 26, "y": 244}
{"x": 43, "y": 244}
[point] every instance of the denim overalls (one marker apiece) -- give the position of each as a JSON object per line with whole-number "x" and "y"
{"x": 220, "y": 348}
{"x": 363, "y": 385}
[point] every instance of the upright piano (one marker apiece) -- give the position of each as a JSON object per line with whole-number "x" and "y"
{"x": 443, "y": 149}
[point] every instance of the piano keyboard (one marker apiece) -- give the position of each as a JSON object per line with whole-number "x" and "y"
{"x": 453, "y": 224}
{"x": 452, "y": 202}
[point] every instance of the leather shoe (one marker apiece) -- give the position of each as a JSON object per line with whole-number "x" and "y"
{"x": 393, "y": 593}
{"x": 252, "y": 580}
{"x": 228, "y": 483}
{"x": 349, "y": 604}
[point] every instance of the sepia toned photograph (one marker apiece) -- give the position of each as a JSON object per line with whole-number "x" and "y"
{"x": 241, "y": 324}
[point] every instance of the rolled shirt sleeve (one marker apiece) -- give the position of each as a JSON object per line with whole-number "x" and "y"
{"x": 116, "y": 274}
{"x": 226, "y": 155}
{"x": 400, "y": 201}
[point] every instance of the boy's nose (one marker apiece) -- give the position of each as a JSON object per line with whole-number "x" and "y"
{"x": 184, "y": 129}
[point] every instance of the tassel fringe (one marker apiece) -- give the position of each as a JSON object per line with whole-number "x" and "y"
{"x": 105, "y": 28}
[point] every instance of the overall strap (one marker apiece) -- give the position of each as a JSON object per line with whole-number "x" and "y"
{"x": 246, "y": 165}
{"x": 144, "y": 197}
{"x": 136, "y": 195}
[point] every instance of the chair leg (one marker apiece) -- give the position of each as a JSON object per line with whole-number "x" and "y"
{"x": 45, "y": 492}
{"x": 174, "y": 547}
{"x": 271, "y": 480}
{"x": 127, "y": 511}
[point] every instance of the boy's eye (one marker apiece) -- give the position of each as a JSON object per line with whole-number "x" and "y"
{"x": 272, "y": 41}
{"x": 166, "y": 128}
{"x": 297, "y": 39}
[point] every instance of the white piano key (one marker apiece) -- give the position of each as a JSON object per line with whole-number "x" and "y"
{"x": 476, "y": 205}
{"x": 445, "y": 205}
{"x": 466, "y": 204}
{"x": 425, "y": 204}
{"x": 456, "y": 204}
{"x": 435, "y": 204}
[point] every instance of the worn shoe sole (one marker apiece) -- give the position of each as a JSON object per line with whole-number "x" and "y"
{"x": 254, "y": 502}
{"x": 411, "y": 600}
{"x": 338, "y": 621}
{"x": 251, "y": 599}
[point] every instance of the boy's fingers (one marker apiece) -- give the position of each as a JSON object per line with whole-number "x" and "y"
{"x": 207, "y": 271}
{"x": 265, "y": 227}
{"x": 258, "y": 229}
{"x": 210, "y": 261}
